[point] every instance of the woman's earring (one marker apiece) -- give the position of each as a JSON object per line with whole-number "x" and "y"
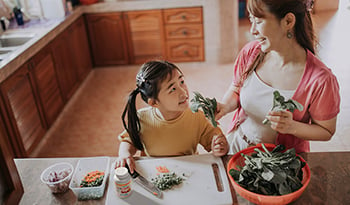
{"x": 289, "y": 35}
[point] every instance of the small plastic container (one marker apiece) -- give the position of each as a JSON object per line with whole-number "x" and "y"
{"x": 57, "y": 177}
{"x": 122, "y": 181}
{"x": 83, "y": 167}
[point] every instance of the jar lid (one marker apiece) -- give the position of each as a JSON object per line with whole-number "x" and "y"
{"x": 121, "y": 171}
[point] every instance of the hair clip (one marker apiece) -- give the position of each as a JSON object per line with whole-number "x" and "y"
{"x": 140, "y": 78}
{"x": 309, "y": 5}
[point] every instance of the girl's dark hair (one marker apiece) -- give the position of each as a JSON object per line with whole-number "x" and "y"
{"x": 148, "y": 81}
{"x": 303, "y": 29}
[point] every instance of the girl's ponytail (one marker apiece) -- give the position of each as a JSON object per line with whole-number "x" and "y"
{"x": 133, "y": 127}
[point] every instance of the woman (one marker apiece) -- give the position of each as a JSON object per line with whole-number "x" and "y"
{"x": 282, "y": 58}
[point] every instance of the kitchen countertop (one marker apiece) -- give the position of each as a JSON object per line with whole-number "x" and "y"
{"x": 220, "y": 22}
{"x": 330, "y": 176}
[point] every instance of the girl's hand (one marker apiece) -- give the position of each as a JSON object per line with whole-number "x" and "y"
{"x": 282, "y": 121}
{"x": 219, "y": 145}
{"x": 121, "y": 161}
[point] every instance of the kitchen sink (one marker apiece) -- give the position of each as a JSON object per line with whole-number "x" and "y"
{"x": 2, "y": 52}
{"x": 10, "y": 42}
{"x": 13, "y": 41}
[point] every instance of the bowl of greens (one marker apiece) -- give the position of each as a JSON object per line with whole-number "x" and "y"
{"x": 268, "y": 174}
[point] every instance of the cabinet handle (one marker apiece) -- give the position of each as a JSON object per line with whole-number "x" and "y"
{"x": 184, "y": 32}
{"x": 183, "y": 17}
{"x": 186, "y": 52}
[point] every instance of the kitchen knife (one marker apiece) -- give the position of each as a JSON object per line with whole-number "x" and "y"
{"x": 142, "y": 181}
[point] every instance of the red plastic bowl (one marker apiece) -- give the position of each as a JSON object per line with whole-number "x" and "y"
{"x": 238, "y": 160}
{"x": 87, "y": 2}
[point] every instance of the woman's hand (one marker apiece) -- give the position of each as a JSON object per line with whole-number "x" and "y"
{"x": 282, "y": 121}
{"x": 220, "y": 111}
{"x": 229, "y": 103}
{"x": 122, "y": 161}
{"x": 219, "y": 145}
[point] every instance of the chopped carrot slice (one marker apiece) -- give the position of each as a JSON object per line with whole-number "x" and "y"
{"x": 162, "y": 169}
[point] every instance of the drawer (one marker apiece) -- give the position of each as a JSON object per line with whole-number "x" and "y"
{"x": 183, "y": 15}
{"x": 181, "y": 31}
{"x": 185, "y": 50}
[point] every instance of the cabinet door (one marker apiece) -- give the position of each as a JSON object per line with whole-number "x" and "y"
{"x": 107, "y": 39}
{"x": 81, "y": 49}
{"x": 146, "y": 35}
{"x": 65, "y": 64}
{"x": 185, "y": 50}
{"x": 11, "y": 189}
{"x": 45, "y": 78}
{"x": 24, "y": 114}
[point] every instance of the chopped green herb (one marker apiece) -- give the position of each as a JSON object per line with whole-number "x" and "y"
{"x": 208, "y": 106}
{"x": 280, "y": 104}
{"x": 166, "y": 181}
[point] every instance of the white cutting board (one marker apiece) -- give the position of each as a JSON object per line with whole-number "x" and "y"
{"x": 199, "y": 186}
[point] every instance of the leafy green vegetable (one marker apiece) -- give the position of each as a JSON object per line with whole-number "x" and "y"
{"x": 166, "y": 181}
{"x": 208, "y": 106}
{"x": 270, "y": 173}
{"x": 280, "y": 104}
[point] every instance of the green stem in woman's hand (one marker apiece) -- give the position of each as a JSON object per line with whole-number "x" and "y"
{"x": 280, "y": 104}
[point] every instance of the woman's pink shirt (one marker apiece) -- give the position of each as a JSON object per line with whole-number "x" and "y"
{"x": 318, "y": 92}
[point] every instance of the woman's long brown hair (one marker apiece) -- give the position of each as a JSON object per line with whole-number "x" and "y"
{"x": 303, "y": 30}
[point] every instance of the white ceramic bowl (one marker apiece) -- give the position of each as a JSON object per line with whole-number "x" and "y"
{"x": 57, "y": 177}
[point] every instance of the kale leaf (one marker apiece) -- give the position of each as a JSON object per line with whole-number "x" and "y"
{"x": 208, "y": 106}
{"x": 270, "y": 172}
{"x": 280, "y": 104}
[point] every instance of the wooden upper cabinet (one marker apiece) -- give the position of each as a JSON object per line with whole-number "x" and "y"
{"x": 65, "y": 64}
{"x": 24, "y": 114}
{"x": 45, "y": 79}
{"x": 146, "y": 35}
{"x": 107, "y": 39}
{"x": 81, "y": 49}
{"x": 184, "y": 34}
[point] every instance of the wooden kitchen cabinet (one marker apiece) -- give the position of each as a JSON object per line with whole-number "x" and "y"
{"x": 24, "y": 117}
{"x": 64, "y": 64}
{"x": 80, "y": 49}
{"x": 134, "y": 37}
{"x": 71, "y": 54}
{"x": 107, "y": 39}
{"x": 145, "y": 35}
{"x": 44, "y": 76}
{"x": 35, "y": 94}
{"x": 184, "y": 34}
{"x": 11, "y": 189}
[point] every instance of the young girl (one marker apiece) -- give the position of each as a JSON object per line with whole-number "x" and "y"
{"x": 167, "y": 127}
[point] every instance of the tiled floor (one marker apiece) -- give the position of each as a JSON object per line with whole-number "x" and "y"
{"x": 90, "y": 122}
